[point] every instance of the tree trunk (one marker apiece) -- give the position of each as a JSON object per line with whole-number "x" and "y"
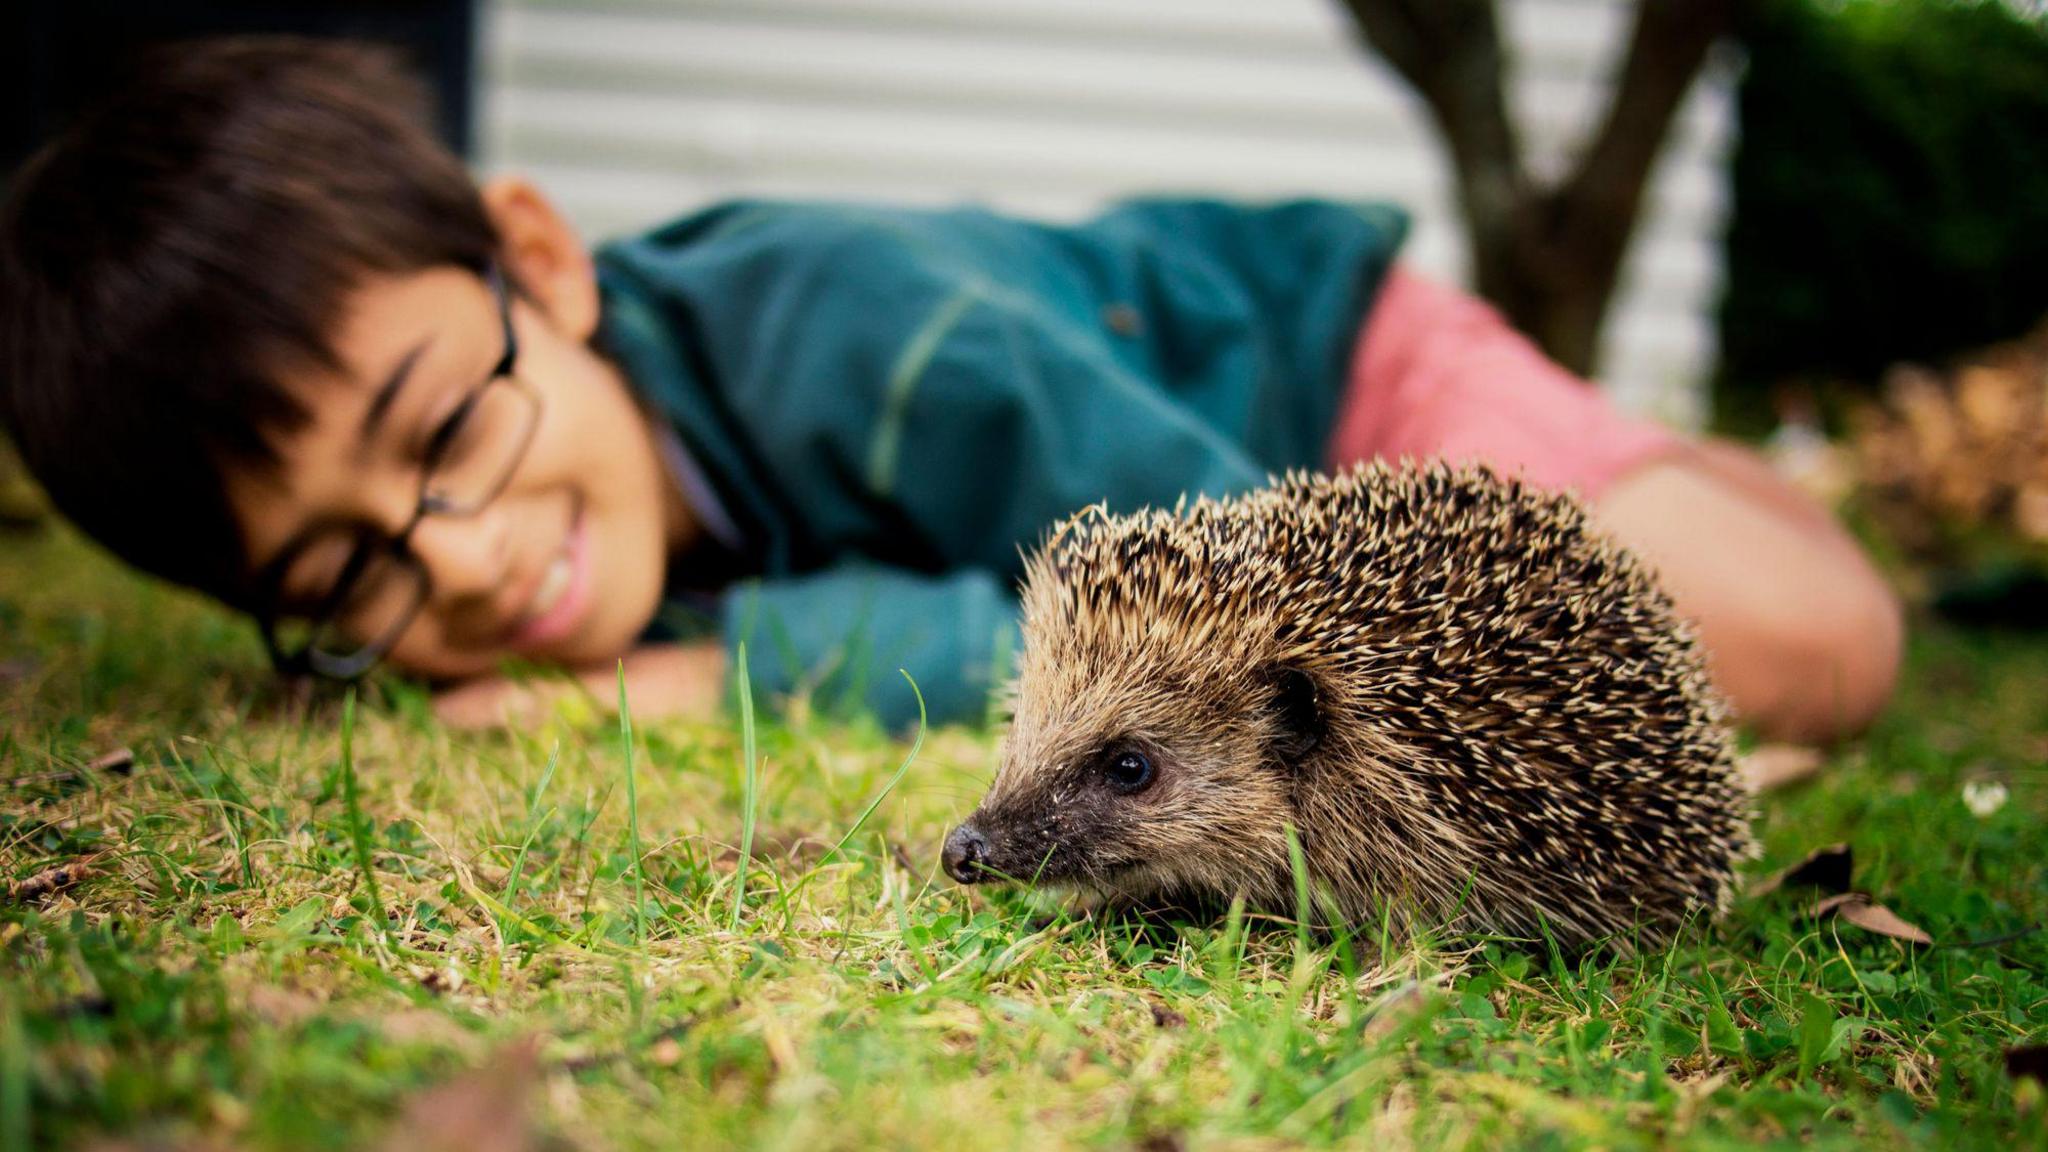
{"x": 1548, "y": 257}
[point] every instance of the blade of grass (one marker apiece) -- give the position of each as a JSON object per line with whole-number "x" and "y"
{"x": 532, "y": 826}
{"x": 903, "y": 933}
{"x": 749, "y": 789}
{"x": 860, "y": 821}
{"x": 1297, "y": 861}
{"x": 632, "y": 813}
{"x": 219, "y": 805}
{"x": 351, "y": 798}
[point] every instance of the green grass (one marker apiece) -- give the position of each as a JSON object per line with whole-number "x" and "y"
{"x": 293, "y": 925}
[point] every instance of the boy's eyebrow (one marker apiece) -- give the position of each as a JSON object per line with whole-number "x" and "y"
{"x": 380, "y": 405}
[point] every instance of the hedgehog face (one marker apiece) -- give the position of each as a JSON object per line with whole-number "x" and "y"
{"x": 1156, "y": 730}
{"x": 1132, "y": 785}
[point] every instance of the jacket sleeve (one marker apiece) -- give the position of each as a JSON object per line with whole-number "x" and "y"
{"x": 841, "y": 635}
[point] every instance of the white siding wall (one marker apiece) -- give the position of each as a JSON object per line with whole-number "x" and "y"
{"x": 631, "y": 111}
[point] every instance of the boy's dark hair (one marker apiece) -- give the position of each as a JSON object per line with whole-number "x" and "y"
{"x": 165, "y": 262}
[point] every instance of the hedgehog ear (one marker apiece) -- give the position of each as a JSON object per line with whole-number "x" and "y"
{"x": 1297, "y": 706}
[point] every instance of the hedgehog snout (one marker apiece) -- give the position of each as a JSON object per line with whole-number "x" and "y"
{"x": 965, "y": 854}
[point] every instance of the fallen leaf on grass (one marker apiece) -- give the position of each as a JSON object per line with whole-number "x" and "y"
{"x": 49, "y": 881}
{"x": 486, "y": 1110}
{"x": 1827, "y": 869}
{"x": 119, "y": 762}
{"x": 1830, "y": 869}
{"x": 1867, "y": 914}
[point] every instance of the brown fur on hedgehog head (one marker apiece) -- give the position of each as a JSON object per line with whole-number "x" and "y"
{"x": 1464, "y": 706}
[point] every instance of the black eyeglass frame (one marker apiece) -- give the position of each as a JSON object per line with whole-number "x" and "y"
{"x": 307, "y": 659}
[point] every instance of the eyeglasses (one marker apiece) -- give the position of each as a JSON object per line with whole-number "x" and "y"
{"x": 345, "y": 626}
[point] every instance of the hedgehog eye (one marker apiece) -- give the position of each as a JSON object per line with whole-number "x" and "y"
{"x": 1129, "y": 771}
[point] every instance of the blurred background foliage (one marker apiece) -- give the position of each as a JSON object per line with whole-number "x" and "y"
{"x": 1890, "y": 192}
{"x": 1887, "y": 282}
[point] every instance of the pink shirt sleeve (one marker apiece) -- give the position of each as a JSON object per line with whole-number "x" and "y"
{"x": 1438, "y": 374}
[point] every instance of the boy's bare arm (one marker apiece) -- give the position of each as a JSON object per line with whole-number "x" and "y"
{"x": 1800, "y": 630}
{"x": 662, "y": 680}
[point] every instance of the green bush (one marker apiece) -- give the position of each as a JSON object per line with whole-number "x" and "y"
{"x": 1890, "y": 188}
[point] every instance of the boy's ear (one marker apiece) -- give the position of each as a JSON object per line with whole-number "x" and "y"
{"x": 541, "y": 253}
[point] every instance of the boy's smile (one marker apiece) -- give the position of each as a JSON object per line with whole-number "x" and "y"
{"x": 565, "y": 563}
{"x": 558, "y": 605}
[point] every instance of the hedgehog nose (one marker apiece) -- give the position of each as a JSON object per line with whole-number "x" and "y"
{"x": 966, "y": 852}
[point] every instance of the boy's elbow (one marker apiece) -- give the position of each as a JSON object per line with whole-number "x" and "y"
{"x": 1836, "y": 666}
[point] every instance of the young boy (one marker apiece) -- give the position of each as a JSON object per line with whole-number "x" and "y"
{"x": 261, "y": 335}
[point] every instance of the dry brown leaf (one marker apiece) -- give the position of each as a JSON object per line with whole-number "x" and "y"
{"x": 1867, "y": 914}
{"x": 1828, "y": 904}
{"x": 1827, "y": 869}
{"x": 1885, "y": 922}
{"x": 50, "y": 881}
{"x": 1916, "y": 395}
{"x": 1965, "y": 449}
{"x": 485, "y": 1110}
{"x": 1771, "y": 766}
{"x": 1992, "y": 401}
{"x": 120, "y": 762}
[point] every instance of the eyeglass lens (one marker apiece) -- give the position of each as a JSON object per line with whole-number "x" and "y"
{"x": 474, "y": 458}
{"x": 477, "y": 452}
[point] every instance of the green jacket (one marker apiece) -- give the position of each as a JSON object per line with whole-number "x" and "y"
{"x": 892, "y": 405}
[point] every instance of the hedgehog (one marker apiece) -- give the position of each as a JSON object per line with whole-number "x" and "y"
{"x": 1461, "y": 705}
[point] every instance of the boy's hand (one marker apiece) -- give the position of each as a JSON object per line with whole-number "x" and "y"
{"x": 661, "y": 680}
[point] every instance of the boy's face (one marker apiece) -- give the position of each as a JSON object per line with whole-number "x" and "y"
{"x": 564, "y": 565}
